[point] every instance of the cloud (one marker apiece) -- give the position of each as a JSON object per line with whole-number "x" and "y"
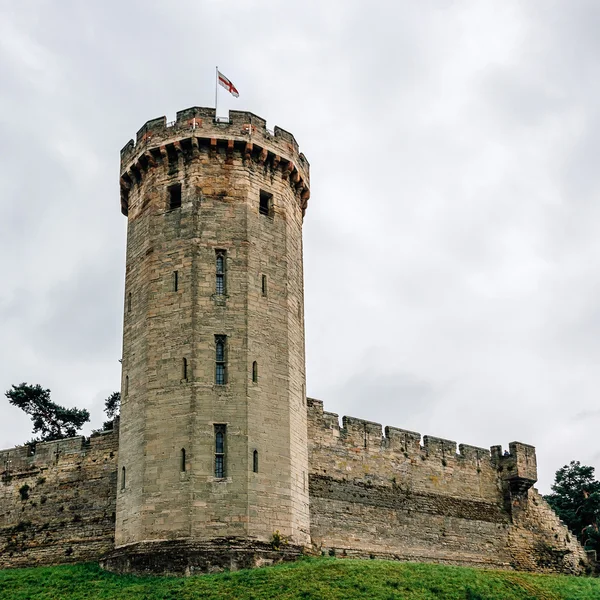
{"x": 451, "y": 256}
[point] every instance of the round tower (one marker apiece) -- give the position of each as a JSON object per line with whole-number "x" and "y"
{"x": 213, "y": 458}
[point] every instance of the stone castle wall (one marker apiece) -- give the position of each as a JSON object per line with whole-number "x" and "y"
{"x": 57, "y": 501}
{"x": 375, "y": 495}
{"x": 371, "y": 495}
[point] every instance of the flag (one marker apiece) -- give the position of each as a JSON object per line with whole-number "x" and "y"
{"x": 227, "y": 85}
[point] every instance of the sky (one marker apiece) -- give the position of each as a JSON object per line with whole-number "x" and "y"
{"x": 451, "y": 247}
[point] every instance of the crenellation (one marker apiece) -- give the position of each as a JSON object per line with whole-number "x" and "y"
{"x": 473, "y": 452}
{"x": 439, "y": 447}
{"x": 361, "y": 433}
{"x": 403, "y": 440}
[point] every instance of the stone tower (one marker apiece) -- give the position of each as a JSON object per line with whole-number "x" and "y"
{"x": 213, "y": 459}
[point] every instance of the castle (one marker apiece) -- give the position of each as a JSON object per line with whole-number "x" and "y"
{"x": 219, "y": 460}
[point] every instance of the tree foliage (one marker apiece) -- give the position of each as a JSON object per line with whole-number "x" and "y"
{"x": 112, "y": 408}
{"x": 576, "y": 499}
{"x": 52, "y": 421}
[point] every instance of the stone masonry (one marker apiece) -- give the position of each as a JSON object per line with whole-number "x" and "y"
{"x": 57, "y": 501}
{"x": 214, "y": 256}
{"x": 371, "y": 495}
{"x": 220, "y": 461}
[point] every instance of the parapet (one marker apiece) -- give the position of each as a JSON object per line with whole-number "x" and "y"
{"x": 44, "y": 454}
{"x": 196, "y": 127}
{"x": 517, "y": 465}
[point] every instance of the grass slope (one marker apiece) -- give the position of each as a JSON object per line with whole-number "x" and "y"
{"x": 314, "y": 579}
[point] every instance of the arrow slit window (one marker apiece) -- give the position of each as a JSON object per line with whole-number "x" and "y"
{"x": 220, "y": 286}
{"x": 220, "y": 431}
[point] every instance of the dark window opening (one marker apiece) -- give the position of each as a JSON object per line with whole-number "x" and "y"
{"x": 184, "y": 369}
{"x": 220, "y": 431}
{"x": 264, "y": 285}
{"x": 254, "y": 372}
{"x": 174, "y": 196}
{"x": 175, "y": 280}
{"x": 126, "y": 385}
{"x": 255, "y": 461}
{"x": 220, "y": 273}
{"x": 123, "y": 478}
{"x": 220, "y": 359}
{"x": 265, "y": 206}
{"x": 182, "y": 465}
{"x": 129, "y": 302}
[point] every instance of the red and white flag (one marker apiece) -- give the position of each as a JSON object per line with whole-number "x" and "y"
{"x": 227, "y": 84}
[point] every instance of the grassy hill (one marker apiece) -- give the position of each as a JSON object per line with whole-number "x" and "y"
{"x": 314, "y": 579}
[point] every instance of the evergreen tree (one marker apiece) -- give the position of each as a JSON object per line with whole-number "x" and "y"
{"x": 50, "y": 420}
{"x": 112, "y": 408}
{"x": 576, "y": 499}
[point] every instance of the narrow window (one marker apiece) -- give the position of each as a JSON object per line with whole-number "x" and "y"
{"x": 254, "y": 372}
{"x": 126, "y": 385}
{"x": 220, "y": 431}
{"x": 303, "y": 394}
{"x": 184, "y": 369}
{"x": 220, "y": 359}
{"x": 264, "y": 285}
{"x": 175, "y": 280}
{"x": 265, "y": 206}
{"x": 129, "y": 302}
{"x": 255, "y": 461}
{"x": 220, "y": 272}
{"x": 123, "y": 478}
{"x": 182, "y": 465}
{"x": 174, "y": 196}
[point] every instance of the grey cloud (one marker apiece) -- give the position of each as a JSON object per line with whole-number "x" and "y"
{"x": 451, "y": 259}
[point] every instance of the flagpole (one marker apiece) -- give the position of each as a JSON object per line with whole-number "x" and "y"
{"x": 216, "y": 90}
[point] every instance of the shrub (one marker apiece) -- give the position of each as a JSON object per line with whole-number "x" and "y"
{"x": 24, "y": 492}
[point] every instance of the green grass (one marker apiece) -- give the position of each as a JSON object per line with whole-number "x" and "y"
{"x": 314, "y": 579}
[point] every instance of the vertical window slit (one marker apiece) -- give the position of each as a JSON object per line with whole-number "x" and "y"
{"x": 220, "y": 431}
{"x": 265, "y": 204}
{"x": 182, "y": 465}
{"x": 174, "y": 196}
{"x": 220, "y": 286}
{"x": 129, "y": 302}
{"x": 255, "y": 461}
{"x": 126, "y": 385}
{"x": 175, "y": 281}
{"x": 220, "y": 359}
{"x": 254, "y": 372}
{"x": 264, "y": 285}
{"x": 184, "y": 369}
{"x": 123, "y": 478}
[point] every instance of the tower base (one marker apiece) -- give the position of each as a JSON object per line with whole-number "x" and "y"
{"x": 184, "y": 558}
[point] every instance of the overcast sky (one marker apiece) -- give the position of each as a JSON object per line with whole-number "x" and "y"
{"x": 452, "y": 247}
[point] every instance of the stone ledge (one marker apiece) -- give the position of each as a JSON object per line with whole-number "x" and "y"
{"x": 184, "y": 558}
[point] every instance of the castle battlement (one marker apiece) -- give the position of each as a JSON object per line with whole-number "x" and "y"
{"x": 358, "y": 435}
{"x": 42, "y": 455}
{"x": 195, "y": 129}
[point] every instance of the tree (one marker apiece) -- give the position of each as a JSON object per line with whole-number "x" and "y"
{"x": 576, "y": 499}
{"x": 52, "y": 421}
{"x": 112, "y": 408}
